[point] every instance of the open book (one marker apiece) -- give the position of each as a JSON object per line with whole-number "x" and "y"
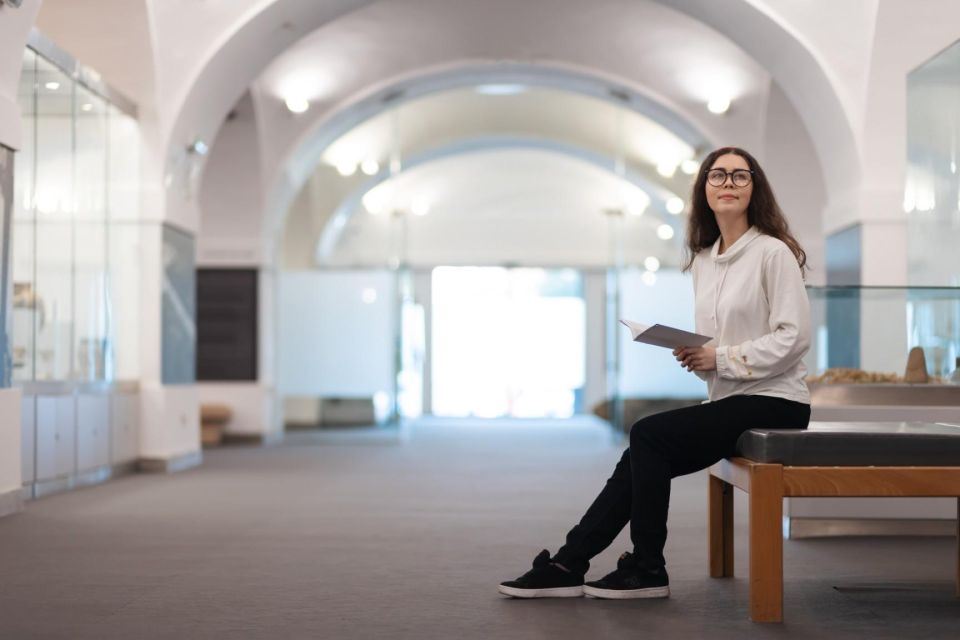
{"x": 660, "y": 335}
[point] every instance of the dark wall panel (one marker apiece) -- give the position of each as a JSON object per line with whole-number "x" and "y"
{"x": 226, "y": 324}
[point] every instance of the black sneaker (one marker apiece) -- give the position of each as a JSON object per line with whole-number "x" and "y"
{"x": 629, "y": 581}
{"x": 545, "y": 580}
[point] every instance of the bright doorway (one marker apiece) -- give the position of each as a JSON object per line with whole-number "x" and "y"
{"x": 507, "y": 342}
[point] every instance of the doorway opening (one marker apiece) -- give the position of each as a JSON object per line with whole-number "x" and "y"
{"x": 508, "y": 342}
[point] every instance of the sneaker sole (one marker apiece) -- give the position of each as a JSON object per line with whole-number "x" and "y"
{"x": 559, "y": 592}
{"x": 626, "y": 594}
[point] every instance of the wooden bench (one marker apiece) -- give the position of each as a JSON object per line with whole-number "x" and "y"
{"x": 768, "y": 482}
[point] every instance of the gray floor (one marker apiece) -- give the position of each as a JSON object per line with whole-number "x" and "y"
{"x": 369, "y": 535}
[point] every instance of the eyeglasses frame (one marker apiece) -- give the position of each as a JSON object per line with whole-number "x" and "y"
{"x": 729, "y": 175}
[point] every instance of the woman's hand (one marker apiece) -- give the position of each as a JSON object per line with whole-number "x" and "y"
{"x": 697, "y": 358}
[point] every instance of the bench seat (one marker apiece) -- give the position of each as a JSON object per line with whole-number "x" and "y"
{"x": 827, "y": 460}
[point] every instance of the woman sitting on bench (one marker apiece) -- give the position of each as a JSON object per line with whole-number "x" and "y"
{"x": 748, "y": 282}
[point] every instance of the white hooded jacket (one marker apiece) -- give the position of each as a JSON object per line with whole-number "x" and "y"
{"x": 753, "y": 302}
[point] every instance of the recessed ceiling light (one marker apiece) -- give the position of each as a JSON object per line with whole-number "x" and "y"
{"x": 674, "y": 205}
{"x": 718, "y": 104}
{"x": 86, "y": 106}
{"x": 297, "y": 105}
{"x": 689, "y": 167}
{"x": 665, "y": 232}
{"x": 52, "y": 86}
{"x": 652, "y": 264}
{"x": 501, "y": 89}
{"x": 370, "y": 167}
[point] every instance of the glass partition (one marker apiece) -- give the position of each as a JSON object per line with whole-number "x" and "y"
{"x": 75, "y": 215}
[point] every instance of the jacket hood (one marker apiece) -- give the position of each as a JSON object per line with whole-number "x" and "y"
{"x": 736, "y": 248}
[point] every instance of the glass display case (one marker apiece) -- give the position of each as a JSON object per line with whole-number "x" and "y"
{"x": 75, "y": 213}
{"x": 884, "y": 353}
{"x": 866, "y": 334}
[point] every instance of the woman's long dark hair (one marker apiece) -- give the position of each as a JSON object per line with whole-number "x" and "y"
{"x": 763, "y": 212}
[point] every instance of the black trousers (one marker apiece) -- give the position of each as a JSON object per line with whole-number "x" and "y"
{"x": 663, "y": 446}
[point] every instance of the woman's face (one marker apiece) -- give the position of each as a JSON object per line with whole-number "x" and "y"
{"x": 729, "y": 200}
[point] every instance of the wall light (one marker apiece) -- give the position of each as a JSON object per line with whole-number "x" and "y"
{"x": 665, "y": 232}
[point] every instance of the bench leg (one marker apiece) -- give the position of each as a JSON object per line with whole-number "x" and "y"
{"x": 766, "y": 543}
{"x": 720, "y": 528}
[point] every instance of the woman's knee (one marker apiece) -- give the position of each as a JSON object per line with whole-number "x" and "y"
{"x": 644, "y": 430}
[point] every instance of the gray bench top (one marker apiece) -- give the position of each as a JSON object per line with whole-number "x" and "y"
{"x": 855, "y": 444}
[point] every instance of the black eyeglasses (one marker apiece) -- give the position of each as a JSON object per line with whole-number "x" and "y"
{"x": 740, "y": 177}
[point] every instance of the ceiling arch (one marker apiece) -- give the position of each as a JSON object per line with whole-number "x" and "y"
{"x": 603, "y": 190}
{"x": 303, "y": 158}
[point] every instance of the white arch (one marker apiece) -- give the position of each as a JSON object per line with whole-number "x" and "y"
{"x": 302, "y": 158}
{"x": 243, "y": 54}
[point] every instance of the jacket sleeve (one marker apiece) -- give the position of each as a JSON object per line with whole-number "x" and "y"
{"x": 789, "y": 323}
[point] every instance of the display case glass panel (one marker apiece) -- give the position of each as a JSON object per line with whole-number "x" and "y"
{"x": 24, "y": 299}
{"x": 90, "y": 236}
{"x": 866, "y": 334}
{"x": 54, "y": 207}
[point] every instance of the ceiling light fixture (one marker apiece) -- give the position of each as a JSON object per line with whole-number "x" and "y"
{"x": 649, "y": 278}
{"x": 370, "y": 167}
{"x": 674, "y": 205}
{"x": 346, "y": 168}
{"x": 689, "y": 167}
{"x": 375, "y": 200}
{"x": 652, "y": 264}
{"x": 667, "y": 169}
{"x": 52, "y": 86}
{"x": 297, "y": 105}
{"x": 665, "y": 232}
{"x": 718, "y": 104}
{"x": 420, "y": 206}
